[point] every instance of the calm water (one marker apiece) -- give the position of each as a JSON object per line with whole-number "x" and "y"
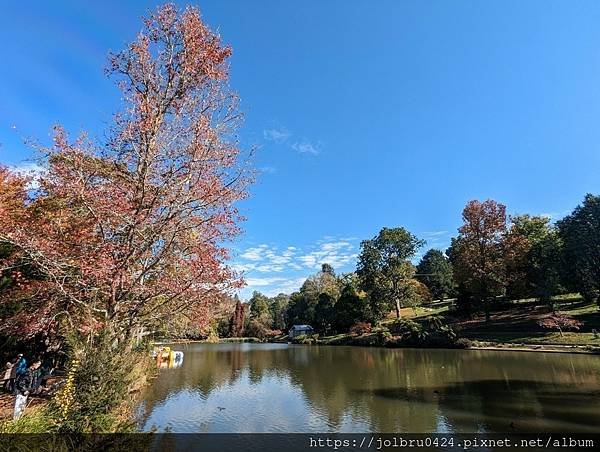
{"x": 288, "y": 388}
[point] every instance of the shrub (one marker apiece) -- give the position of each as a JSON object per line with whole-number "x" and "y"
{"x": 274, "y": 333}
{"x": 411, "y": 333}
{"x": 403, "y": 327}
{"x": 257, "y": 329}
{"x": 383, "y": 337}
{"x": 360, "y": 328}
{"x": 463, "y": 342}
{"x": 99, "y": 380}
{"x": 305, "y": 339}
{"x": 560, "y": 322}
{"x": 36, "y": 420}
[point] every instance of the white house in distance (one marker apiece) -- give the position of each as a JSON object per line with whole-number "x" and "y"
{"x": 298, "y": 330}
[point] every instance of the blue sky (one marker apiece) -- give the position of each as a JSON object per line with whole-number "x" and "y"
{"x": 366, "y": 114}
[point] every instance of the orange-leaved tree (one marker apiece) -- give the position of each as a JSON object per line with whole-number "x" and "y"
{"x": 123, "y": 234}
{"x": 481, "y": 251}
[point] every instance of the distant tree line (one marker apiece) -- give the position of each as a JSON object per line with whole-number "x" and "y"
{"x": 494, "y": 257}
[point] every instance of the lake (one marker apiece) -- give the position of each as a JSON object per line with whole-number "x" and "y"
{"x": 295, "y": 388}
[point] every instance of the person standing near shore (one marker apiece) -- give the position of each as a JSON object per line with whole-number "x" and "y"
{"x": 20, "y": 365}
{"x": 8, "y": 382}
{"x": 23, "y": 385}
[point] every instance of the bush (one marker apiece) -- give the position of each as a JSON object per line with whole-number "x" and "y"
{"x": 99, "y": 380}
{"x": 36, "y": 420}
{"x": 463, "y": 342}
{"x": 411, "y": 333}
{"x": 257, "y": 329}
{"x": 383, "y": 337}
{"x": 441, "y": 337}
{"x": 274, "y": 333}
{"x": 305, "y": 339}
{"x": 378, "y": 339}
{"x": 360, "y": 328}
{"x": 403, "y": 327}
{"x": 560, "y": 322}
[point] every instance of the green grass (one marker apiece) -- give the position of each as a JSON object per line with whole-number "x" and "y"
{"x": 568, "y": 338}
{"x": 417, "y": 312}
{"x": 518, "y": 323}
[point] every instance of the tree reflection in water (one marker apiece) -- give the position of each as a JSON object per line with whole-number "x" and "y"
{"x": 281, "y": 388}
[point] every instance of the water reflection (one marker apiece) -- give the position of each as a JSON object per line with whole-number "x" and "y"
{"x": 281, "y": 388}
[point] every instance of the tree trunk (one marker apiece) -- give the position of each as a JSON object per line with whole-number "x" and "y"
{"x": 398, "y": 307}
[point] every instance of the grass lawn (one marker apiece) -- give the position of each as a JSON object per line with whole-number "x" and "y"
{"x": 415, "y": 313}
{"x": 568, "y": 338}
{"x": 518, "y": 323}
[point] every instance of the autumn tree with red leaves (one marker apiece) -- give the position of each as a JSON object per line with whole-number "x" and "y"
{"x": 560, "y": 322}
{"x": 236, "y": 323}
{"x": 130, "y": 232}
{"x": 481, "y": 250}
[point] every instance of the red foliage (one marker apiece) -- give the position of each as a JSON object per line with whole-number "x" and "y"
{"x": 560, "y": 322}
{"x": 360, "y": 328}
{"x": 133, "y": 230}
{"x": 236, "y": 323}
{"x": 480, "y": 263}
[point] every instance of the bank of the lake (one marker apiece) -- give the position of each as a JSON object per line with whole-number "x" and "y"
{"x": 365, "y": 341}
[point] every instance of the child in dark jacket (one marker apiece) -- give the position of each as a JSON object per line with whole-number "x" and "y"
{"x": 23, "y": 384}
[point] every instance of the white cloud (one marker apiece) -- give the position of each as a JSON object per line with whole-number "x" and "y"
{"x": 273, "y": 286}
{"x": 266, "y": 259}
{"x": 238, "y": 267}
{"x": 289, "y": 286}
{"x": 282, "y": 135}
{"x": 279, "y": 134}
{"x": 255, "y": 254}
{"x": 273, "y": 270}
{"x": 435, "y": 233}
{"x": 267, "y": 268}
{"x": 336, "y": 253}
{"x": 306, "y": 147}
{"x": 261, "y": 282}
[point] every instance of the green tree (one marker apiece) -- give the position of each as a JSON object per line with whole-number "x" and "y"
{"x": 524, "y": 233}
{"x": 327, "y": 268}
{"x": 324, "y": 281}
{"x": 324, "y": 314}
{"x": 385, "y": 270}
{"x": 259, "y": 306}
{"x": 580, "y": 233}
{"x": 299, "y": 311}
{"x": 544, "y": 269}
{"x": 464, "y": 298}
{"x": 278, "y": 306}
{"x": 303, "y": 304}
{"x": 435, "y": 271}
{"x": 350, "y": 308}
{"x": 533, "y": 263}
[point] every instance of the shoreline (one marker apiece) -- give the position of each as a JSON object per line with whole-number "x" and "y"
{"x": 486, "y": 346}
